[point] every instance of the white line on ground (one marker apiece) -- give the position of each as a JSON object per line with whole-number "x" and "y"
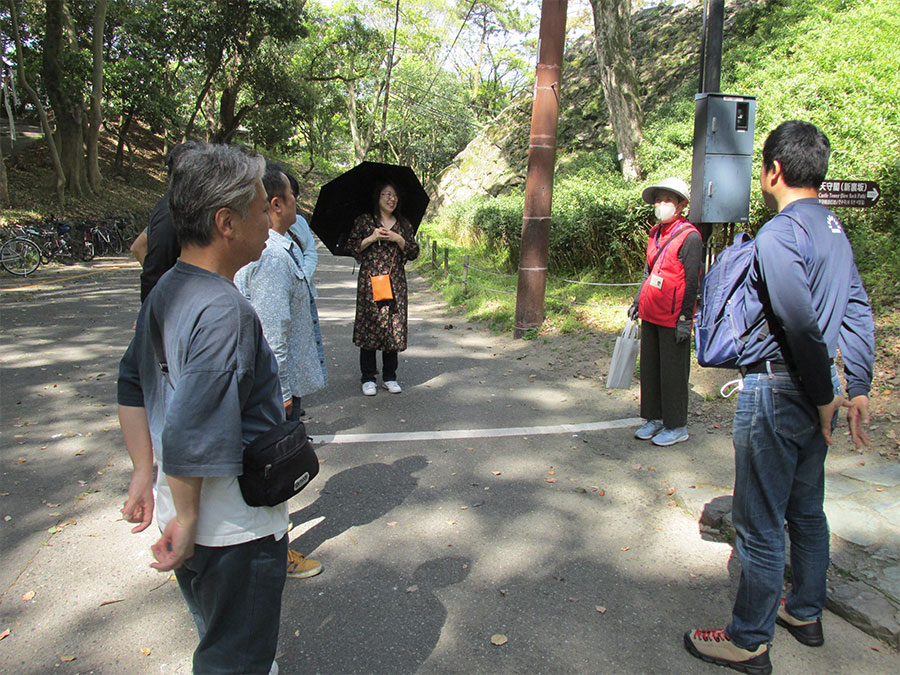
{"x": 350, "y": 318}
{"x": 451, "y": 434}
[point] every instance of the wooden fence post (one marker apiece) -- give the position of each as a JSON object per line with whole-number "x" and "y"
{"x": 446, "y": 260}
{"x": 465, "y": 275}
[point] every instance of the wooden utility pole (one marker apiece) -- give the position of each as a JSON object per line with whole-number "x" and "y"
{"x": 541, "y": 161}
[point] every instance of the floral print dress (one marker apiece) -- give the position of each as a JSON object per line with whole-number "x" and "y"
{"x": 381, "y": 326}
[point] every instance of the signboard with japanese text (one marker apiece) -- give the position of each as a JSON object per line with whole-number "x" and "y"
{"x": 856, "y": 193}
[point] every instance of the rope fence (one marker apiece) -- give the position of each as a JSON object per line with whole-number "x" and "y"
{"x": 431, "y": 247}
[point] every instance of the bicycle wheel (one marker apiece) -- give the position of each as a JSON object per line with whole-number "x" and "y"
{"x": 20, "y": 256}
{"x": 117, "y": 243}
{"x": 87, "y": 251}
{"x": 100, "y": 246}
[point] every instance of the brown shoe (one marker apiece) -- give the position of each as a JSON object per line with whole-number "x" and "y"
{"x": 809, "y": 633}
{"x": 300, "y": 567}
{"x": 714, "y": 646}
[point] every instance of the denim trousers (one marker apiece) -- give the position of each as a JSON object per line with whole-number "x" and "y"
{"x": 779, "y": 457}
{"x": 369, "y": 367}
{"x": 234, "y": 595}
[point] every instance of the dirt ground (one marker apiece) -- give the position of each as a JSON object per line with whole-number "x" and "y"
{"x": 587, "y": 356}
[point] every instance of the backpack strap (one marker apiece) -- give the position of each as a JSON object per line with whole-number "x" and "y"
{"x": 659, "y": 253}
{"x": 158, "y": 348}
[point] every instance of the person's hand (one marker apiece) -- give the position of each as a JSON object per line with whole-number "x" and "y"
{"x": 288, "y": 408}
{"x": 382, "y": 233}
{"x": 826, "y": 416}
{"x": 858, "y": 411}
{"x": 174, "y": 546}
{"x": 682, "y": 331}
{"x": 138, "y": 507}
{"x": 633, "y": 311}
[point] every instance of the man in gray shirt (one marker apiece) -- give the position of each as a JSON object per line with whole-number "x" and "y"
{"x": 219, "y": 391}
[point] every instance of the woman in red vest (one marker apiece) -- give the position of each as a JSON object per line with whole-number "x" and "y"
{"x": 665, "y": 304}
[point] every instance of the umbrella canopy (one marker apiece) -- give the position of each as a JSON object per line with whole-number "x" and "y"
{"x": 348, "y": 196}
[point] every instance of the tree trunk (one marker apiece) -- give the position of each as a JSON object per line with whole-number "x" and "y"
{"x": 42, "y": 113}
{"x": 361, "y": 142}
{"x": 229, "y": 119}
{"x": 96, "y": 114}
{"x": 387, "y": 85}
{"x": 358, "y": 150}
{"x": 124, "y": 126}
{"x": 69, "y": 109}
{"x": 211, "y": 73}
{"x": 612, "y": 43}
{"x": 4, "y": 190}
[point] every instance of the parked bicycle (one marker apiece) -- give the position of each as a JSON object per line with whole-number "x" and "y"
{"x": 105, "y": 234}
{"x": 20, "y": 256}
{"x": 33, "y": 244}
{"x": 25, "y": 246}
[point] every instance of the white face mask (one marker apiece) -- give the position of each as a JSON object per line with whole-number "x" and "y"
{"x": 665, "y": 212}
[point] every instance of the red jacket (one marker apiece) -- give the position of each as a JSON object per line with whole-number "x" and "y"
{"x": 662, "y": 294}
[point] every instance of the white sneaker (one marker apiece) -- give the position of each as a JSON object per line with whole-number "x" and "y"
{"x": 392, "y": 386}
{"x": 369, "y": 389}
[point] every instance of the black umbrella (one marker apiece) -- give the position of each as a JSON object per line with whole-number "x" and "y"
{"x": 348, "y": 196}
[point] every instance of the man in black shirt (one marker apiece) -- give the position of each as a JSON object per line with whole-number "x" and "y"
{"x": 163, "y": 248}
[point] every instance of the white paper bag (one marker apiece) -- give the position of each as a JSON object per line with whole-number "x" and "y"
{"x": 624, "y": 358}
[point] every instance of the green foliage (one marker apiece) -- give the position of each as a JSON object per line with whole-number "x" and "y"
{"x": 835, "y": 63}
{"x": 428, "y": 123}
{"x": 597, "y": 223}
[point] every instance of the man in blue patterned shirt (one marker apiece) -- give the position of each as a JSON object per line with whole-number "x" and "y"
{"x": 277, "y": 288}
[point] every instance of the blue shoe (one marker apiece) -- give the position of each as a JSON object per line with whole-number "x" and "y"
{"x": 649, "y": 430}
{"x": 670, "y": 436}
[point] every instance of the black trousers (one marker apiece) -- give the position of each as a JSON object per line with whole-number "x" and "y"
{"x": 665, "y": 371}
{"x": 369, "y": 367}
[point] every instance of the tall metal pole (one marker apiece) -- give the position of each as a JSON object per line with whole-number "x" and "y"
{"x": 541, "y": 161}
{"x": 710, "y": 79}
{"x": 713, "y": 21}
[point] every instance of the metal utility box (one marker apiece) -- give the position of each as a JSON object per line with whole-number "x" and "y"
{"x": 723, "y": 157}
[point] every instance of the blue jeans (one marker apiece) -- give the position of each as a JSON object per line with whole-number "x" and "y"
{"x": 779, "y": 457}
{"x": 234, "y": 595}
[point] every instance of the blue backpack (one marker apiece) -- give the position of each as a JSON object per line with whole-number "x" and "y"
{"x": 729, "y": 309}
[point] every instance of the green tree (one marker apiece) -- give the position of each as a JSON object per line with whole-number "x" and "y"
{"x": 230, "y": 35}
{"x": 498, "y": 67}
{"x": 612, "y": 42}
{"x": 65, "y": 68}
{"x": 95, "y": 118}
{"x": 149, "y": 71}
{"x": 428, "y": 127}
{"x": 343, "y": 63}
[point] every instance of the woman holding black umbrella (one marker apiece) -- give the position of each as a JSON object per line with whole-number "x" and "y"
{"x": 381, "y": 241}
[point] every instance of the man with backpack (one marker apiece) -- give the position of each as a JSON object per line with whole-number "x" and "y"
{"x": 812, "y": 301}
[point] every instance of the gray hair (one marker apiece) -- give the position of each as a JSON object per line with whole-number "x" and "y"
{"x": 205, "y": 179}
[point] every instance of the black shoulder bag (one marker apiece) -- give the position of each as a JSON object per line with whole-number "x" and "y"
{"x": 278, "y": 463}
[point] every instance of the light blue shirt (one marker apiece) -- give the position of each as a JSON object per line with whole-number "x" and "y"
{"x": 307, "y": 246}
{"x": 276, "y": 287}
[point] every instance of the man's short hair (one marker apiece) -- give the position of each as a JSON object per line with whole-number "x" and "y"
{"x": 802, "y": 150}
{"x": 205, "y": 179}
{"x": 295, "y": 186}
{"x": 273, "y": 181}
{"x": 177, "y": 151}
